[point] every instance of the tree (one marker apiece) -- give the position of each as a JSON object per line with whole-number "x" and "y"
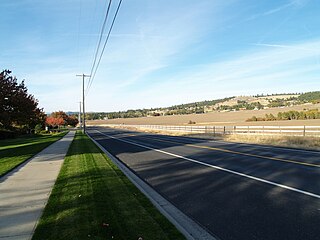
{"x": 18, "y": 108}
{"x": 60, "y": 118}
{"x": 55, "y": 121}
{"x": 72, "y": 121}
{"x": 60, "y": 114}
{"x": 310, "y": 96}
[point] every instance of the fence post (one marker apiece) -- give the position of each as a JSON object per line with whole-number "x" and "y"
{"x": 234, "y": 129}
{"x": 214, "y": 131}
{"x": 224, "y": 130}
{"x": 304, "y": 131}
{"x": 206, "y": 129}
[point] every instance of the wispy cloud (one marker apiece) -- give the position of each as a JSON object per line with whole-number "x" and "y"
{"x": 263, "y": 69}
{"x": 290, "y": 4}
{"x": 161, "y": 52}
{"x": 258, "y": 71}
{"x": 261, "y": 62}
{"x": 152, "y": 46}
{"x": 284, "y": 46}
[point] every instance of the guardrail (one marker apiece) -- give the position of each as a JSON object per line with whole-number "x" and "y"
{"x": 216, "y": 130}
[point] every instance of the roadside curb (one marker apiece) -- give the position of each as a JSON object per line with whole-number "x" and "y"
{"x": 189, "y": 228}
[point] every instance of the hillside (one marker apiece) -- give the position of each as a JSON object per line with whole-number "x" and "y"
{"x": 238, "y": 103}
{"x": 218, "y": 118}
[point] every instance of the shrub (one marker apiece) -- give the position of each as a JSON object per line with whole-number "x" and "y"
{"x": 38, "y": 128}
{"x": 252, "y": 119}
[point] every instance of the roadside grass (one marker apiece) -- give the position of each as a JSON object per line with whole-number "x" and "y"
{"x": 93, "y": 199}
{"x": 307, "y": 142}
{"x": 17, "y": 150}
{"x": 283, "y": 141}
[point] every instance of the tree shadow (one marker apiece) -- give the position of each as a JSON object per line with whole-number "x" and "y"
{"x": 228, "y": 205}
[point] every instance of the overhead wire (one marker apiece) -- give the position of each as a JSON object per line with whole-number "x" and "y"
{"x": 100, "y": 39}
{"x": 93, "y": 73}
{"x": 78, "y": 34}
{"x": 93, "y": 20}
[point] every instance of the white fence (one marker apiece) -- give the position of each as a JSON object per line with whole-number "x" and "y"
{"x": 264, "y": 130}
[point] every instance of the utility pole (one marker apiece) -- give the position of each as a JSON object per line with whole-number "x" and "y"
{"x": 79, "y": 118}
{"x": 83, "y": 108}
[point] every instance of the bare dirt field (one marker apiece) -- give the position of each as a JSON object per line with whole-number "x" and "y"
{"x": 218, "y": 118}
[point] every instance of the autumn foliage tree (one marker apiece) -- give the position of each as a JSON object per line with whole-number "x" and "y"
{"x": 18, "y": 108}
{"x": 72, "y": 121}
{"x": 60, "y": 118}
{"x": 55, "y": 121}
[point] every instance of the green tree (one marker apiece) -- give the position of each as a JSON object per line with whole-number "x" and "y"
{"x": 310, "y": 96}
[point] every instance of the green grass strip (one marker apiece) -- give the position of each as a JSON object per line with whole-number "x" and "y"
{"x": 15, "y": 151}
{"x": 93, "y": 199}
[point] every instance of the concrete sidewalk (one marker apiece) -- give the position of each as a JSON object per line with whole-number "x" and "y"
{"x": 24, "y": 192}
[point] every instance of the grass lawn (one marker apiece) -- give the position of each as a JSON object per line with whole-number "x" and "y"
{"x": 93, "y": 199}
{"x": 17, "y": 150}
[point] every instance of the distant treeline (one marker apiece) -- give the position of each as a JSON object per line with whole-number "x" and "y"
{"x": 199, "y": 107}
{"x": 310, "y": 97}
{"x": 242, "y": 105}
{"x": 289, "y": 115}
{"x": 189, "y": 108}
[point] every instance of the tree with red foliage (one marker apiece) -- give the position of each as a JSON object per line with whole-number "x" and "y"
{"x": 60, "y": 114}
{"x": 55, "y": 121}
{"x": 18, "y": 108}
{"x": 60, "y": 118}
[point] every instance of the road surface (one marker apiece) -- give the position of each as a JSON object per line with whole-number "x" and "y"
{"x": 235, "y": 191}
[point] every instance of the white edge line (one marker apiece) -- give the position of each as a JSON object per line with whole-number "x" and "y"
{"x": 219, "y": 168}
{"x": 190, "y": 229}
{"x": 271, "y": 147}
{"x": 197, "y": 140}
{"x": 201, "y": 140}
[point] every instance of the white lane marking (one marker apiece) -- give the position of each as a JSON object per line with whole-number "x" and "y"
{"x": 202, "y": 140}
{"x": 271, "y": 147}
{"x": 247, "y": 144}
{"x": 217, "y": 167}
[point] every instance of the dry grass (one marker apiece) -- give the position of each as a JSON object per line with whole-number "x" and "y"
{"x": 284, "y": 141}
{"x": 230, "y": 119}
{"x": 312, "y": 143}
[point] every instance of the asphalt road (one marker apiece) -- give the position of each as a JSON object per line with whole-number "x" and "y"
{"x": 235, "y": 191}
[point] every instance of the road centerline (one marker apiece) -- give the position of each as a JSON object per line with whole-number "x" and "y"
{"x": 217, "y": 167}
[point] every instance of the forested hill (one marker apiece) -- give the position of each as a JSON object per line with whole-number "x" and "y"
{"x": 225, "y": 104}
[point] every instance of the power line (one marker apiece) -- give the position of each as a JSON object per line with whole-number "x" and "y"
{"x": 104, "y": 46}
{"x": 78, "y": 35}
{"x": 94, "y": 18}
{"x": 99, "y": 42}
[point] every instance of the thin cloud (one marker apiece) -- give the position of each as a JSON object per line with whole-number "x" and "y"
{"x": 283, "y": 46}
{"x": 259, "y": 71}
{"x": 291, "y": 4}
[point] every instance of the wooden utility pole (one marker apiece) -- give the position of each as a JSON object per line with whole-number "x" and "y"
{"x": 83, "y": 108}
{"x": 79, "y": 118}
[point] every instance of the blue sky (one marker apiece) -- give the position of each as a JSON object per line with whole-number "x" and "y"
{"x": 161, "y": 53}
